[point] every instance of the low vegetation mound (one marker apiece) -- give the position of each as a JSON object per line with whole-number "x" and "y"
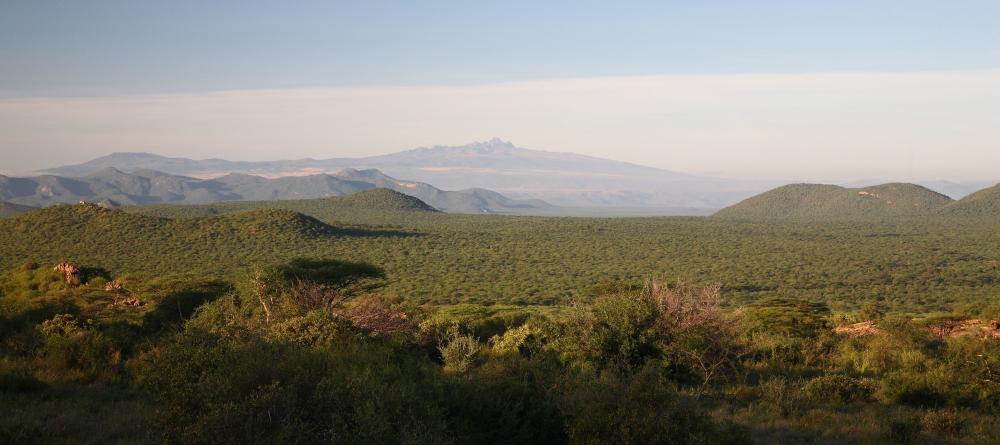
{"x": 266, "y": 223}
{"x": 820, "y": 202}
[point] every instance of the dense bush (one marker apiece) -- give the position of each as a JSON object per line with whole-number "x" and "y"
{"x": 840, "y": 389}
{"x": 312, "y": 352}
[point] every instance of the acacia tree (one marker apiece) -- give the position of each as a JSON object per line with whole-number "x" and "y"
{"x": 694, "y": 328}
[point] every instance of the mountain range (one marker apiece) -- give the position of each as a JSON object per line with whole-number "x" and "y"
{"x": 562, "y": 179}
{"x": 112, "y": 187}
{"x": 493, "y": 176}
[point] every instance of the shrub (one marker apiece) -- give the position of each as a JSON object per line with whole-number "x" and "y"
{"x": 903, "y": 429}
{"x": 77, "y": 351}
{"x": 947, "y": 422}
{"x": 639, "y": 408}
{"x": 512, "y": 341}
{"x": 840, "y": 389}
{"x": 796, "y": 318}
{"x": 918, "y": 388}
{"x": 378, "y": 316}
{"x": 460, "y": 352}
{"x": 782, "y": 397}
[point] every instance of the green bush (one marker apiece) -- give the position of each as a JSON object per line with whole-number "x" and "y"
{"x": 904, "y": 429}
{"x": 947, "y": 422}
{"x": 460, "y": 353}
{"x": 840, "y": 389}
{"x": 636, "y": 409}
{"x": 77, "y": 351}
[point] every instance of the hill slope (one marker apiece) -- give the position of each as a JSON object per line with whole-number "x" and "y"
{"x": 7, "y": 209}
{"x": 90, "y": 234}
{"x": 373, "y": 201}
{"x": 154, "y": 187}
{"x": 982, "y": 204}
{"x": 818, "y": 202}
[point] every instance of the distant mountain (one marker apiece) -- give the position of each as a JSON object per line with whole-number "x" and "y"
{"x": 819, "y": 202}
{"x": 984, "y": 203}
{"x": 563, "y": 179}
{"x": 468, "y": 201}
{"x": 7, "y": 209}
{"x": 115, "y": 187}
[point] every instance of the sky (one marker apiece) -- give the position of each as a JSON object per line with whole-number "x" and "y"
{"x": 754, "y": 89}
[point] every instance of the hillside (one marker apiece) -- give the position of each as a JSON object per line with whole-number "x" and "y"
{"x": 7, "y": 209}
{"x": 149, "y": 245}
{"x": 369, "y": 202}
{"x": 819, "y": 202}
{"x": 982, "y": 204}
{"x": 462, "y": 201}
{"x": 146, "y": 186}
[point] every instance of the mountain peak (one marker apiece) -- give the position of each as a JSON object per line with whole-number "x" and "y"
{"x": 492, "y": 145}
{"x": 479, "y": 147}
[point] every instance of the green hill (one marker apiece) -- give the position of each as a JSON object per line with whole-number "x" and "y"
{"x": 819, "y": 202}
{"x": 89, "y": 234}
{"x": 327, "y": 209}
{"x": 7, "y": 209}
{"x": 982, "y": 204}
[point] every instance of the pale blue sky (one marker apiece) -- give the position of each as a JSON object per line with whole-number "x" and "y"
{"x": 111, "y": 47}
{"x": 904, "y": 90}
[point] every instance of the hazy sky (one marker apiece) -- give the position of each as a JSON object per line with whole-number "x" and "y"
{"x": 898, "y": 89}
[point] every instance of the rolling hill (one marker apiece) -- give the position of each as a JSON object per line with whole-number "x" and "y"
{"x": 819, "y": 202}
{"x": 90, "y": 234}
{"x": 982, "y": 204}
{"x": 372, "y": 201}
{"x": 141, "y": 187}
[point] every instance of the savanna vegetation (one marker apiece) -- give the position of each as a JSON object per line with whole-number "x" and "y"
{"x": 312, "y": 321}
{"x": 430, "y": 257}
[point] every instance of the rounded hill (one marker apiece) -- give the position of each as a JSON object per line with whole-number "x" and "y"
{"x": 382, "y": 199}
{"x": 266, "y": 223}
{"x": 819, "y": 202}
{"x": 984, "y": 203}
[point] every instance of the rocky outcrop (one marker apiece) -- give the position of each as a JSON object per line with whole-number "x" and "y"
{"x": 970, "y": 328}
{"x": 947, "y": 329}
{"x": 72, "y": 272}
{"x": 863, "y": 329}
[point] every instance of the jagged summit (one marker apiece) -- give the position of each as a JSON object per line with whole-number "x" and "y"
{"x": 492, "y": 146}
